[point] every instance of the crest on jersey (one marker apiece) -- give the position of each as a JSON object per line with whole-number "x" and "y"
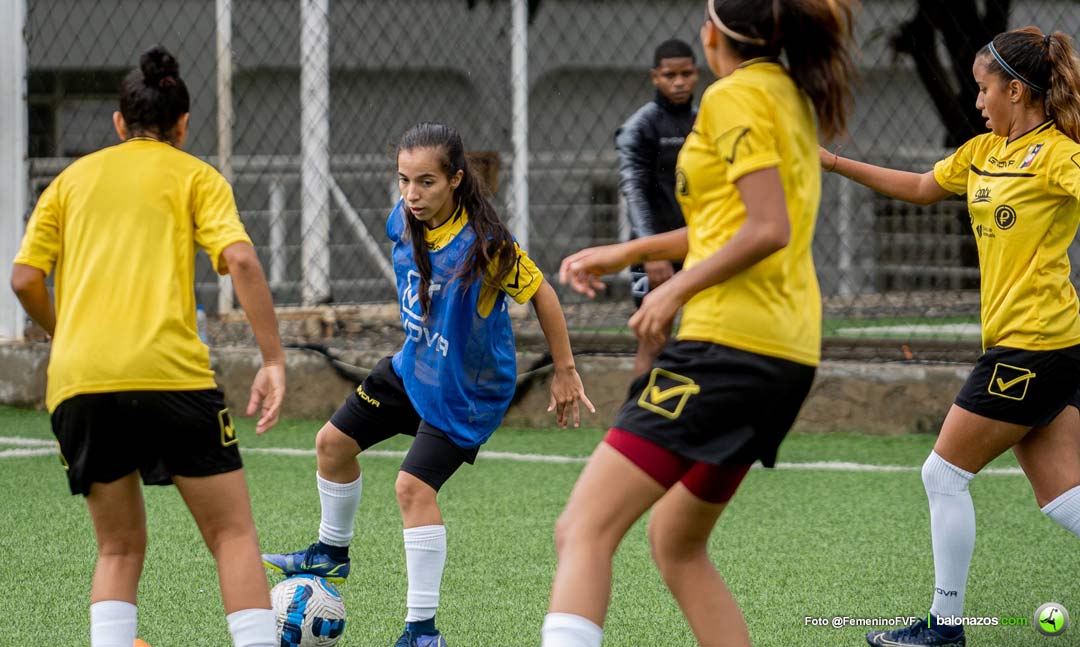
{"x": 1033, "y": 150}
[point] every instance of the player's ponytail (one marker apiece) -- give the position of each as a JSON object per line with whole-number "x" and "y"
{"x": 816, "y": 36}
{"x": 153, "y": 97}
{"x": 493, "y": 246}
{"x": 1063, "y": 96}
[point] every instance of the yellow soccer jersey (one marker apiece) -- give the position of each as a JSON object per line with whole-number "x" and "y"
{"x": 756, "y": 118}
{"x": 1024, "y": 203}
{"x": 520, "y": 285}
{"x": 120, "y": 227}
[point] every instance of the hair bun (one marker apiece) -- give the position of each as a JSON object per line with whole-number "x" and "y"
{"x": 159, "y": 67}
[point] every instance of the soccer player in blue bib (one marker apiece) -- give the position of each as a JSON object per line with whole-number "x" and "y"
{"x": 1022, "y": 182}
{"x": 451, "y": 382}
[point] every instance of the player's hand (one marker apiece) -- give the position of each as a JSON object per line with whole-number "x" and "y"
{"x": 566, "y": 390}
{"x": 827, "y": 158}
{"x": 658, "y": 272}
{"x": 267, "y": 392}
{"x": 582, "y": 270}
{"x": 652, "y": 321}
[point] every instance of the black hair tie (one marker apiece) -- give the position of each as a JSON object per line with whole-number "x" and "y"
{"x": 1046, "y": 40}
{"x": 167, "y": 82}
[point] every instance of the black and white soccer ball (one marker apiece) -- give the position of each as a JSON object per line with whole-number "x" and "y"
{"x": 309, "y": 612}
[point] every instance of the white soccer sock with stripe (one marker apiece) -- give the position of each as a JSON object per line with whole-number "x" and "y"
{"x": 339, "y": 503}
{"x": 1066, "y": 510}
{"x": 253, "y": 628}
{"x": 113, "y": 623}
{"x": 569, "y": 630}
{"x": 425, "y": 556}
{"x": 952, "y": 529}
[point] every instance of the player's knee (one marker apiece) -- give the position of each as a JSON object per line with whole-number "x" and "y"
{"x": 412, "y": 493}
{"x": 228, "y": 537}
{"x": 334, "y": 446}
{"x": 579, "y": 532}
{"x": 668, "y": 546}
{"x": 562, "y": 533}
{"x": 126, "y": 545}
{"x": 941, "y": 477}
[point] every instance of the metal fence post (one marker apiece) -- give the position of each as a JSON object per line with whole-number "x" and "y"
{"x": 519, "y": 75}
{"x": 224, "y": 123}
{"x": 315, "y": 148}
{"x": 14, "y": 176}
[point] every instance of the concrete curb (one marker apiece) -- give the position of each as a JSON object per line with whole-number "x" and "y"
{"x": 847, "y": 396}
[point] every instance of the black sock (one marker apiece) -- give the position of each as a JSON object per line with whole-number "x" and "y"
{"x": 336, "y": 553}
{"x": 422, "y": 627}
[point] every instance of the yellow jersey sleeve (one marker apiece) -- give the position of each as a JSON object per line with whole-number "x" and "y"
{"x": 1064, "y": 168}
{"x": 952, "y": 172}
{"x": 740, "y": 129}
{"x": 217, "y": 221}
{"x": 524, "y": 280}
{"x": 41, "y": 244}
{"x": 520, "y": 284}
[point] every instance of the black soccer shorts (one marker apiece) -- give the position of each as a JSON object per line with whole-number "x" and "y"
{"x": 380, "y": 409}
{"x": 1022, "y": 387}
{"x": 104, "y": 436}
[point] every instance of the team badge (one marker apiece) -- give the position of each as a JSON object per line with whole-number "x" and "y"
{"x": 1031, "y": 153}
{"x": 1005, "y": 216}
{"x": 1010, "y": 381}
{"x": 228, "y": 431}
{"x": 666, "y": 393}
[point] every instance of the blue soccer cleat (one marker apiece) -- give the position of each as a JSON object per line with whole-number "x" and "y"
{"x": 918, "y": 634}
{"x": 409, "y": 639}
{"x": 310, "y": 561}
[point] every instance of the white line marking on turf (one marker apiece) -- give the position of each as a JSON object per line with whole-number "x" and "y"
{"x": 26, "y": 453}
{"x": 45, "y": 448}
{"x": 33, "y": 442}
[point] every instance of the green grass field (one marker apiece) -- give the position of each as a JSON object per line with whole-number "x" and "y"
{"x": 793, "y": 543}
{"x": 956, "y": 328}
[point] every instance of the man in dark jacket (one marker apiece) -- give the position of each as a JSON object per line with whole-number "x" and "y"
{"x": 648, "y": 145}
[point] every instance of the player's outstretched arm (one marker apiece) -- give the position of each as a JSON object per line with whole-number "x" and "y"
{"x": 268, "y": 388}
{"x": 566, "y": 387}
{"x": 917, "y": 188}
{"x": 29, "y": 286}
{"x": 582, "y": 270}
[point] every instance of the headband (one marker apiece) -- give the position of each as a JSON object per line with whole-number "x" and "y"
{"x": 1008, "y": 69}
{"x": 729, "y": 32}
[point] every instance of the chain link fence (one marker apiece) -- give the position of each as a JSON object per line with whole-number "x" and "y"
{"x": 300, "y": 102}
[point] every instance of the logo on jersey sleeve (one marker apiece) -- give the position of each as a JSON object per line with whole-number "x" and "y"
{"x": 1010, "y": 381}
{"x": 682, "y": 185}
{"x": 982, "y": 195}
{"x": 734, "y": 141}
{"x": 667, "y": 393}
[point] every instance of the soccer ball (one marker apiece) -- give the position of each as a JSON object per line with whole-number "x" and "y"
{"x": 309, "y": 612}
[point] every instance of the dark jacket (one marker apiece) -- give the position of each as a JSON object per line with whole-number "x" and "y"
{"x": 648, "y": 145}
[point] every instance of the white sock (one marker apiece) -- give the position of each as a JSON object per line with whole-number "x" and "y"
{"x": 952, "y": 528}
{"x": 112, "y": 623}
{"x": 339, "y": 504}
{"x": 568, "y": 630}
{"x": 253, "y": 628}
{"x": 1066, "y": 510}
{"x": 425, "y": 556}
